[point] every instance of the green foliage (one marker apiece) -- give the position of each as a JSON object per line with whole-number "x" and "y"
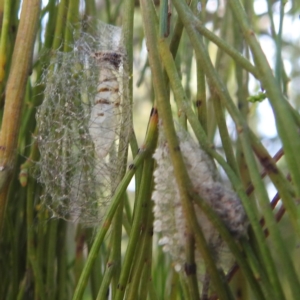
{"x": 201, "y": 222}
{"x": 257, "y": 98}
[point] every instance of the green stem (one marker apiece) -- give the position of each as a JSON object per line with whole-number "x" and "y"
{"x": 164, "y": 19}
{"x": 271, "y": 224}
{"x": 106, "y": 280}
{"x": 30, "y": 241}
{"x": 242, "y": 79}
{"x": 152, "y": 292}
{"x": 174, "y": 286}
{"x": 191, "y": 267}
{"x": 200, "y": 103}
{"x": 3, "y": 40}
{"x": 79, "y": 256}
{"x": 231, "y": 51}
{"x": 146, "y": 280}
{"x": 184, "y": 287}
{"x": 140, "y": 213}
{"x": 62, "y": 261}
{"x": 50, "y": 27}
{"x": 15, "y": 231}
{"x": 259, "y": 186}
{"x": 161, "y": 267}
{"x": 115, "y": 201}
{"x": 279, "y": 71}
{"x": 112, "y": 272}
{"x": 143, "y": 254}
{"x": 128, "y": 215}
{"x": 286, "y": 126}
{"x": 128, "y": 22}
{"x": 72, "y": 19}
{"x": 258, "y": 271}
{"x": 176, "y": 37}
{"x": 226, "y": 140}
{"x": 21, "y": 291}
{"x": 96, "y": 272}
{"x": 182, "y": 178}
{"x": 181, "y": 98}
{"x": 60, "y": 23}
{"x": 108, "y": 11}
{"x": 231, "y": 244}
{"x": 146, "y": 283}
{"x": 51, "y": 253}
{"x": 279, "y": 65}
{"x": 15, "y": 92}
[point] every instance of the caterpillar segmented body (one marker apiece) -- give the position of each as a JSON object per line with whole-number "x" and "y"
{"x": 105, "y": 112}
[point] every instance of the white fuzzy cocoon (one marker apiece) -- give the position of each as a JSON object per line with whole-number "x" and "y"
{"x": 169, "y": 218}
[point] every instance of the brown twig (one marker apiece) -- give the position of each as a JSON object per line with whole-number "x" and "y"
{"x": 15, "y": 91}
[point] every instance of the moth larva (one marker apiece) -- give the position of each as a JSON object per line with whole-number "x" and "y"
{"x": 105, "y": 111}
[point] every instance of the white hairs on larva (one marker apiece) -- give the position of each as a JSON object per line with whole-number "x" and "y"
{"x": 81, "y": 121}
{"x": 169, "y": 218}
